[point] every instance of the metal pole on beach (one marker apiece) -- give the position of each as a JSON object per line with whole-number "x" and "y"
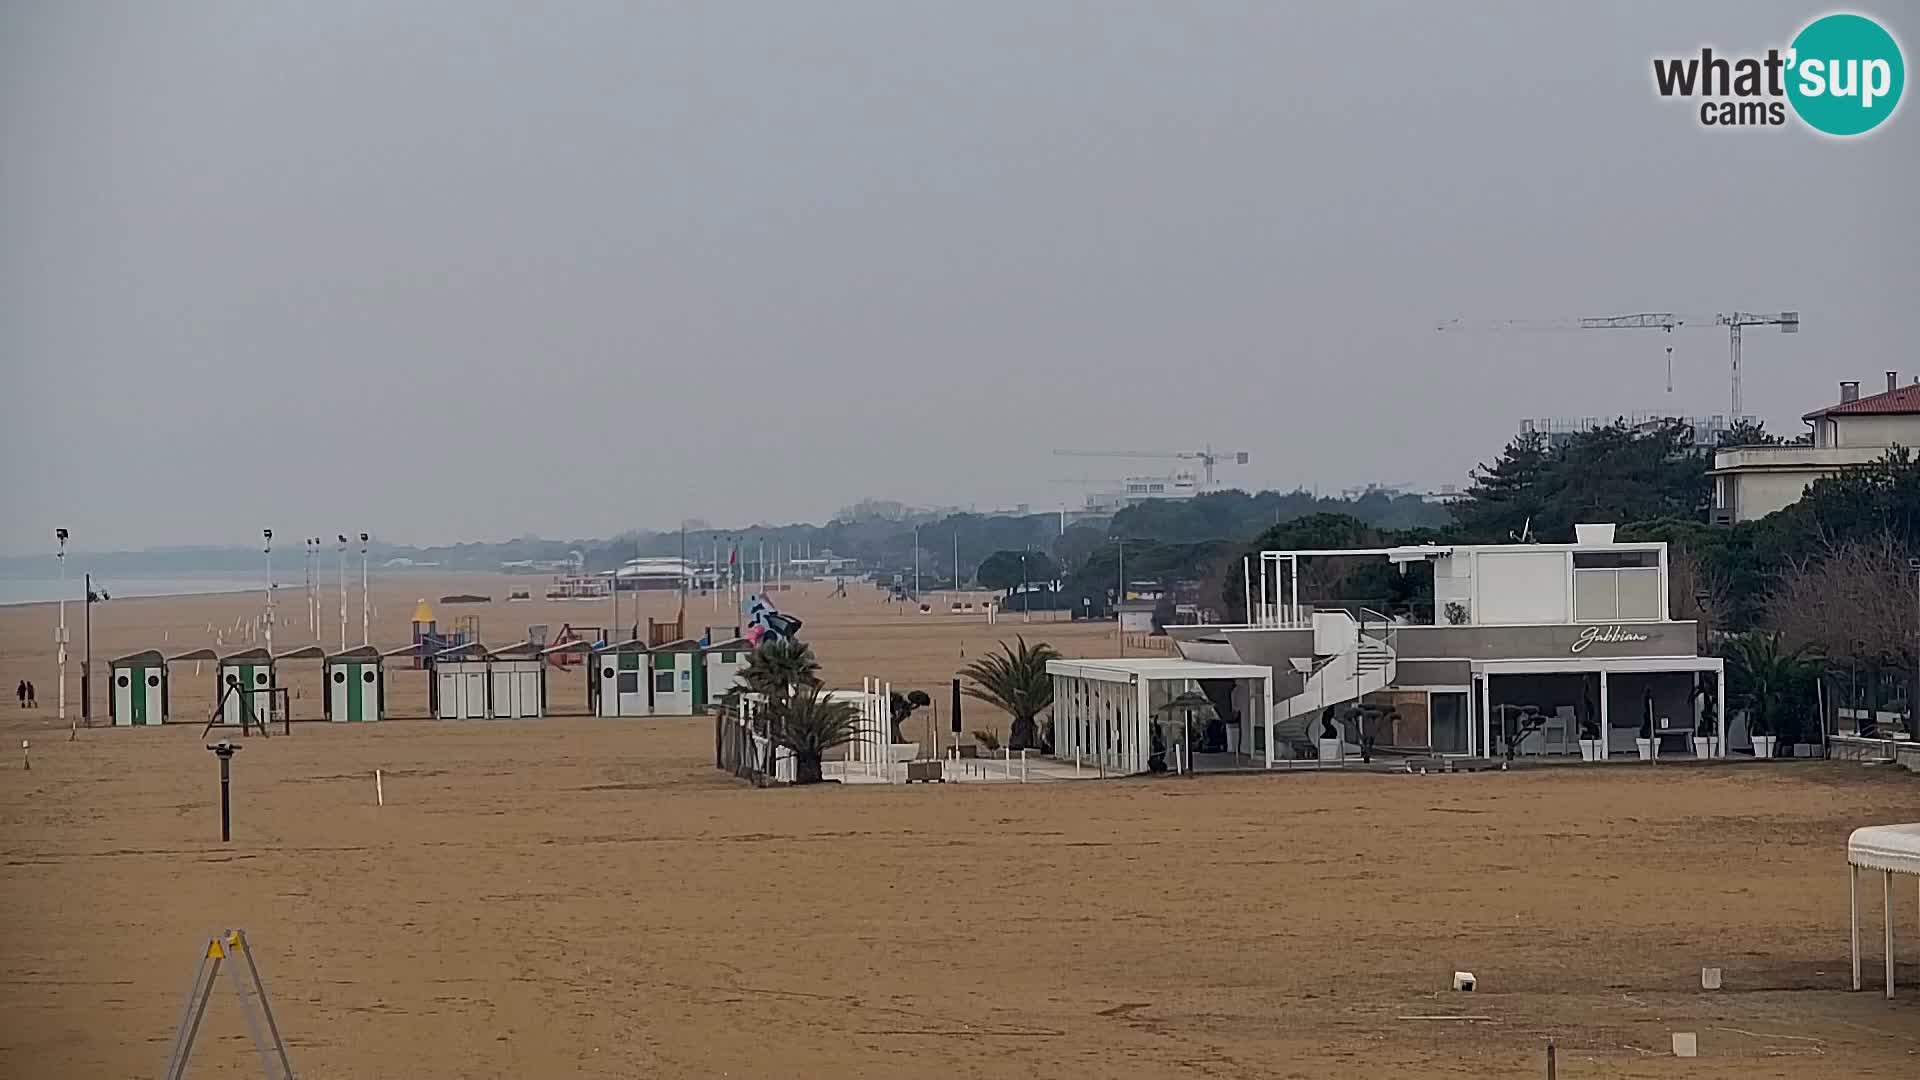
{"x": 366, "y": 634}
{"x": 266, "y": 548}
{"x": 60, "y": 636}
{"x": 343, "y": 591}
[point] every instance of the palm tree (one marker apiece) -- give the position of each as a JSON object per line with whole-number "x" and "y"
{"x": 1015, "y": 680}
{"x": 809, "y": 725}
{"x": 1766, "y": 680}
{"x": 777, "y": 670}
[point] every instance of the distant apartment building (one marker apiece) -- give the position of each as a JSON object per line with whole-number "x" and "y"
{"x": 1557, "y": 432}
{"x": 1750, "y": 482}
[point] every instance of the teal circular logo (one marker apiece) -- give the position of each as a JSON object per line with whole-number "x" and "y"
{"x": 1845, "y": 74}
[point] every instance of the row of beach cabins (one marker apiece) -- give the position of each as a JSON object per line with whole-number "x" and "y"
{"x": 465, "y": 682}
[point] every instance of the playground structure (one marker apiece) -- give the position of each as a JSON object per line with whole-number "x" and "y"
{"x": 569, "y": 633}
{"x": 430, "y": 642}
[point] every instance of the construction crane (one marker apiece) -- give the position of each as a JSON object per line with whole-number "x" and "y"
{"x": 1207, "y": 458}
{"x": 1787, "y": 321}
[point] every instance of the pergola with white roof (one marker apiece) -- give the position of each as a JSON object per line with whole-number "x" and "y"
{"x": 1103, "y": 710}
{"x": 1890, "y": 849}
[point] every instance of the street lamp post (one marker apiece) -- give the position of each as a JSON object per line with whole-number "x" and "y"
{"x": 61, "y": 636}
{"x": 1026, "y": 596}
{"x": 343, "y": 591}
{"x": 366, "y": 637}
{"x": 86, "y": 661}
{"x": 266, "y": 547}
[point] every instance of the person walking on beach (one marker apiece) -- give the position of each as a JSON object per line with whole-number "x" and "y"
{"x": 21, "y": 693}
{"x": 31, "y": 702}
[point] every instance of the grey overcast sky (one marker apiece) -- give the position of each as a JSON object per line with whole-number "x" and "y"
{"x": 469, "y": 270}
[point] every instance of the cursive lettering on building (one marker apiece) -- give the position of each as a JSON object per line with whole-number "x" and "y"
{"x": 1604, "y": 635}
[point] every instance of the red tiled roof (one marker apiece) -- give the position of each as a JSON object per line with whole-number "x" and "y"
{"x": 1903, "y": 399}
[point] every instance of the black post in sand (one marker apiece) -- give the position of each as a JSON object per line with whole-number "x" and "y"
{"x": 224, "y": 751}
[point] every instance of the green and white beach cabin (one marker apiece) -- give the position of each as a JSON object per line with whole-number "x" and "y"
{"x": 621, "y": 680}
{"x": 139, "y": 685}
{"x": 679, "y": 678}
{"x": 724, "y": 661}
{"x": 250, "y": 670}
{"x": 356, "y": 685}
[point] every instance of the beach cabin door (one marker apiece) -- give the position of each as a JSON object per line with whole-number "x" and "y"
{"x": 463, "y": 690}
{"x": 516, "y": 688}
{"x": 354, "y": 692}
{"x": 243, "y": 678}
{"x": 137, "y": 696}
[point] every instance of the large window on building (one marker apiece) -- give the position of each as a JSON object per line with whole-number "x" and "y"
{"x": 1616, "y": 586}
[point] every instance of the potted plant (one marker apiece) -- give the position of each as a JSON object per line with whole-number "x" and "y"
{"x": 1591, "y": 745}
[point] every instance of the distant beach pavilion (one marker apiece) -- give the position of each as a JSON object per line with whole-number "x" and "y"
{"x": 139, "y": 684}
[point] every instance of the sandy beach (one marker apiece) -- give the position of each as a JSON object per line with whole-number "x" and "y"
{"x": 581, "y": 897}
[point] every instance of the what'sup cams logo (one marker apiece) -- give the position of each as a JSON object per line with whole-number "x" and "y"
{"x": 1842, "y": 75}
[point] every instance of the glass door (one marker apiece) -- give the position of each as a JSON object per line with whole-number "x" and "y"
{"x": 1449, "y": 717}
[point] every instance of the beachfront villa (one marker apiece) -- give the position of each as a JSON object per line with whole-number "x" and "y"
{"x": 1537, "y": 648}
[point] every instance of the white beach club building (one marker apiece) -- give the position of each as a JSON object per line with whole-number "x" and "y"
{"x": 1568, "y": 643}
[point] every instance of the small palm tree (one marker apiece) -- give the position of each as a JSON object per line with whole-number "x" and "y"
{"x": 778, "y": 670}
{"x": 810, "y": 725}
{"x": 1015, "y": 680}
{"x": 1765, "y": 679}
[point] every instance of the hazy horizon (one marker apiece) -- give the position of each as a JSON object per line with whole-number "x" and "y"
{"x": 443, "y": 271}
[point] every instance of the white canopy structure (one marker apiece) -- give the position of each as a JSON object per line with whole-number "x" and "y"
{"x": 1890, "y": 849}
{"x": 1104, "y": 710}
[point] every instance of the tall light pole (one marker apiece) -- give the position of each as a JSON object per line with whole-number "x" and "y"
{"x": 916, "y": 562}
{"x": 1119, "y": 628}
{"x": 266, "y": 547}
{"x": 60, "y": 636}
{"x": 1026, "y": 597}
{"x": 366, "y": 635}
{"x": 343, "y": 591}
{"x": 313, "y": 587}
{"x": 86, "y": 662}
